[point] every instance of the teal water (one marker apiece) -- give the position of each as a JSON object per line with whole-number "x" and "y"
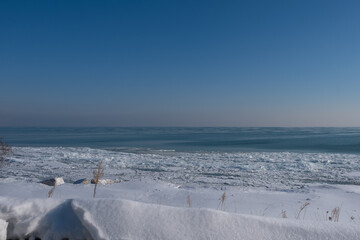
{"x": 332, "y": 140}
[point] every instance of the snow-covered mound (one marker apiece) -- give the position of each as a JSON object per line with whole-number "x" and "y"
{"x": 124, "y": 219}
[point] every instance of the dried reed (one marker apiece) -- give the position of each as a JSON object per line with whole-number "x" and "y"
{"x": 188, "y": 200}
{"x": 50, "y": 193}
{"x": 303, "y": 207}
{"x": 222, "y": 202}
{"x": 335, "y": 214}
{"x": 5, "y": 150}
{"x": 98, "y": 174}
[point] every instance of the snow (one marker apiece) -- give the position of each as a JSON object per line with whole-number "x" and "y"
{"x": 273, "y": 170}
{"x": 158, "y": 210}
{"x": 134, "y": 220}
{"x": 152, "y": 191}
{"x": 3, "y": 227}
{"x": 124, "y": 219}
{"x": 45, "y": 218}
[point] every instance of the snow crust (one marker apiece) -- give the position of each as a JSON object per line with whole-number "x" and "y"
{"x": 156, "y": 210}
{"x": 284, "y": 171}
{"x": 177, "y": 195}
{"x": 134, "y": 220}
{"x": 3, "y": 228}
{"x": 123, "y": 219}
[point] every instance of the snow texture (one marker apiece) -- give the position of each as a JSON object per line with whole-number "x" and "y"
{"x": 279, "y": 171}
{"x": 124, "y": 219}
{"x": 3, "y": 228}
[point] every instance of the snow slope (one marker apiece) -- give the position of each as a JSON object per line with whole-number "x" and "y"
{"x": 158, "y": 210}
{"x": 124, "y": 219}
{"x": 134, "y": 220}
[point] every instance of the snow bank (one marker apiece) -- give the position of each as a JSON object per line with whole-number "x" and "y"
{"x": 3, "y": 227}
{"x": 120, "y": 219}
{"x": 44, "y": 218}
{"x": 124, "y": 219}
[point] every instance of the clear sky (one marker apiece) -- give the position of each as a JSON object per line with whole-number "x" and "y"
{"x": 180, "y": 63}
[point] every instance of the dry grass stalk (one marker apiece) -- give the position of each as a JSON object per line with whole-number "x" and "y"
{"x": 188, "y": 200}
{"x": 301, "y": 209}
{"x": 335, "y": 214}
{"x": 50, "y": 193}
{"x": 265, "y": 211}
{"x": 5, "y": 150}
{"x": 98, "y": 174}
{"x": 222, "y": 202}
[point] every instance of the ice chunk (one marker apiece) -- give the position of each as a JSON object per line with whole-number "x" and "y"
{"x": 53, "y": 181}
{"x": 82, "y": 181}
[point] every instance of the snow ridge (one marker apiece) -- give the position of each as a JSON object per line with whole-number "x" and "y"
{"x": 124, "y": 219}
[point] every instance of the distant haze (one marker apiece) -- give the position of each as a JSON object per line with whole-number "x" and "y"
{"x": 180, "y": 63}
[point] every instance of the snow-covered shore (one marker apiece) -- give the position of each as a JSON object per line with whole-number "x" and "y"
{"x": 180, "y": 195}
{"x": 158, "y": 210}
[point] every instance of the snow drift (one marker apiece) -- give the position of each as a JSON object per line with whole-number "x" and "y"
{"x": 124, "y": 219}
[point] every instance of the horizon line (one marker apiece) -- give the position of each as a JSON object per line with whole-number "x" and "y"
{"x": 179, "y": 126}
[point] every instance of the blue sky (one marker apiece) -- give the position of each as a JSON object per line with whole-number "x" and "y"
{"x": 180, "y": 63}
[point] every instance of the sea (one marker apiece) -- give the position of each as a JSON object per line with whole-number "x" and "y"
{"x": 284, "y": 159}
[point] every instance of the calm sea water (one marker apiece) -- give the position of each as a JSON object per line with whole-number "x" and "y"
{"x": 332, "y": 140}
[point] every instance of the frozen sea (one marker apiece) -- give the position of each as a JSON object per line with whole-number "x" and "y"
{"x": 281, "y": 159}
